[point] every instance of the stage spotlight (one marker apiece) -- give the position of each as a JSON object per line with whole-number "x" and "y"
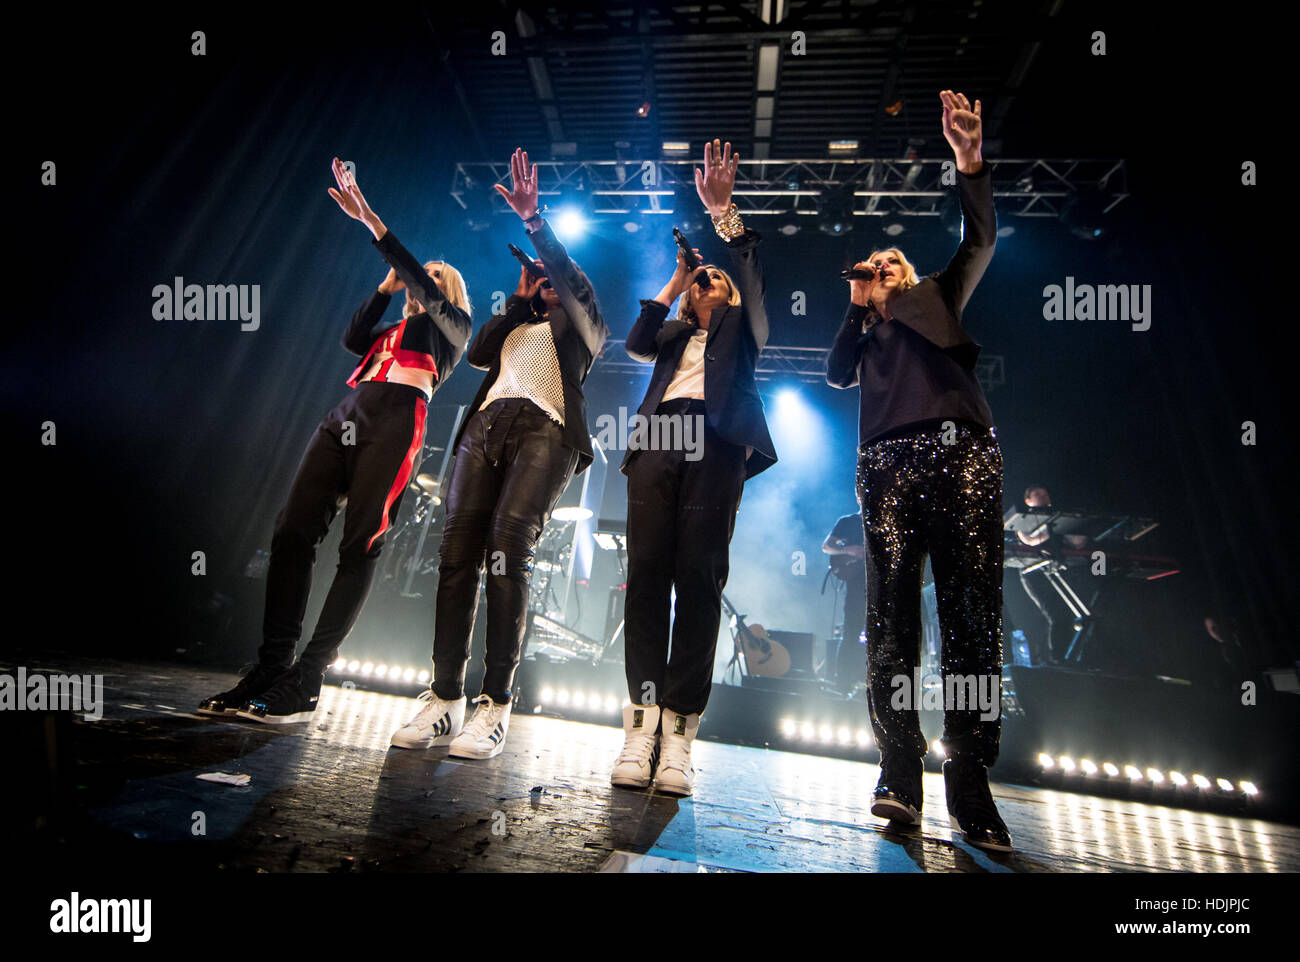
{"x": 611, "y": 705}
{"x": 422, "y": 677}
{"x": 367, "y": 669}
{"x": 1133, "y": 773}
{"x": 1156, "y": 776}
{"x": 562, "y": 697}
{"x": 1224, "y": 784}
{"x": 644, "y": 109}
{"x": 826, "y": 733}
{"x": 1083, "y": 212}
{"x": 1088, "y": 766}
{"x": 789, "y": 227}
{"x": 1067, "y": 764}
{"x": 579, "y": 699}
{"x": 1006, "y": 231}
{"x": 547, "y": 694}
{"x": 894, "y": 229}
{"x": 381, "y": 671}
{"x": 1178, "y": 778}
{"x": 570, "y": 224}
{"x": 1110, "y": 769}
{"x": 835, "y": 210}
{"x": 864, "y": 738}
{"x": 688, "y": 214}
{"x": 354, "y": 666}
{"x": 807, "y": 731}
{"x": 1045, "y": 760}
{"x": 408, "y": 675}
{"x": 339, "y": 665}
{"x": 1201, "y": 782}
{"x": 1248, "y": 788}
{"x": 788, "y": 727}
{"x": 936, "y": 747}
{"x": 845, "y": 736}
{"x": 631, "y": 226}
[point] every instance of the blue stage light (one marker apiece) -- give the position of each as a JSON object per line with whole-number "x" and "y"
{"x": 570, "y": 224}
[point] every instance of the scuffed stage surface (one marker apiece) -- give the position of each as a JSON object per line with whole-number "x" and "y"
{"x": 330, "y": 795}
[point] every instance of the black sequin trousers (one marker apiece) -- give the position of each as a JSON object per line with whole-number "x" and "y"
{"x": 920, "y": 495}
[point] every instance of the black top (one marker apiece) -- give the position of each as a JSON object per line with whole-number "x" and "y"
{"x": 918, "y": 369}
{"x": 577, "y": 327}
{"x": 434, "y": 339}
{"x": 736, "y": 335}
{"x": 849, "y": 529}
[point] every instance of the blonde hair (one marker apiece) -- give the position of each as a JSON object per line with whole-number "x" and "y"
{"x": 909, "y": 278}
{"x": 686, "y": 309}
{"x": 452, "y": 286}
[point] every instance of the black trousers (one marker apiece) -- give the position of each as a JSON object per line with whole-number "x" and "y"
{"x": 680, "y": 518}
{"x": 363, "y": 454}
{"x": 920, "y": 495}
{"x": 511, "y": 467}
{"x": 848, "y": 665}
{"x": 1059, "y": 618}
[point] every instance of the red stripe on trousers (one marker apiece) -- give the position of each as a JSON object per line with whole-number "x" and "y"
{"x": 404, "y": 473}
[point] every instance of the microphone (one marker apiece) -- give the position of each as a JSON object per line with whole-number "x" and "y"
{"x": 529, "y": 264}
{"x": 688, "y": 255}
{"x": 858, "y": 274}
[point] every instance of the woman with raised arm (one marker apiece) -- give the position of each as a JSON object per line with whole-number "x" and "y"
{"x": 365, "y": 450}
{"x": 524, "y": 438}
{"x": 929, "y": 480}
{"x": 682, "y": 500}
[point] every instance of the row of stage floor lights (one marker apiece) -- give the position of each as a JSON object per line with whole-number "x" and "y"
{"x": 1085, "y": 768}
{"x": 1077, "y": 775}
{"x": 550, "y": 698}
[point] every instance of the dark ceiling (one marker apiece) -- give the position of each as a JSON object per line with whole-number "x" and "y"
{"x": 829, "y": 67}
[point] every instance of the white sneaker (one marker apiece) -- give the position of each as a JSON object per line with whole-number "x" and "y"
{"x": 636, "y": 765}
{"x": 675, "y": 775}
{"x": 437, "y": 723}
{"x": 485, "y": 735}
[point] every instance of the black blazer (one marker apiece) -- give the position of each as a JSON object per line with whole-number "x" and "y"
{"x": 736, "y": 336}
{"x": 933, "y": 307}
{"x": 579, "y": 332}
{"x": 437, "y": 335}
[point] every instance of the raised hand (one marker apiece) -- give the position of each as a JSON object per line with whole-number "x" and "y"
{"x": 714, "y": 184}
{"x": 522, "y": 198}
{"x": 351, "y": 201}
{"x": 392, "y": 283}
{"x": 963, "y": 129}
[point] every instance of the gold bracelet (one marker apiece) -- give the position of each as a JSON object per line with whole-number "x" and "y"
{"x": 728, "y": 224}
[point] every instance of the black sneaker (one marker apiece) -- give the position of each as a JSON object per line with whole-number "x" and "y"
{"x": 898, "y": 794}
{"x": 970, "y": 806}
{"x": 253, "y": 684}
{"x": 291, "y": 699}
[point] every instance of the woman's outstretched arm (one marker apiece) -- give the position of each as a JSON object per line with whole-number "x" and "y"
{"x": 963, "y": 129}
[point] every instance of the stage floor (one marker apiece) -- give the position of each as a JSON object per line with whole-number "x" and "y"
{"x": 330, "y": 795}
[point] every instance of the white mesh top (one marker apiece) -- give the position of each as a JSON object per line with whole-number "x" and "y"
{"x": 530, "y": 369}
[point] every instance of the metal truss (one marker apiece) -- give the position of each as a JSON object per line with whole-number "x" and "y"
{"x": 909, "y": 187}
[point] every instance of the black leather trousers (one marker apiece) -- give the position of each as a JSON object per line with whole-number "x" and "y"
{"x": 511, "y": 467}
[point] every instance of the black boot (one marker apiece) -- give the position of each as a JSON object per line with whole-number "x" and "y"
{"x": 898, "y": 793}
{"x": 970, "y": 805}
{"x": 252, "y": 685}
{"x": 291, "y": 699}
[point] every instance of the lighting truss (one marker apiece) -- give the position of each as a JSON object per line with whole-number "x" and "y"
{"x": 908, "y": 187}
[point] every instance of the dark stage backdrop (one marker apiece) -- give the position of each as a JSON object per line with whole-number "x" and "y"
{"x": 175, "y": 436}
